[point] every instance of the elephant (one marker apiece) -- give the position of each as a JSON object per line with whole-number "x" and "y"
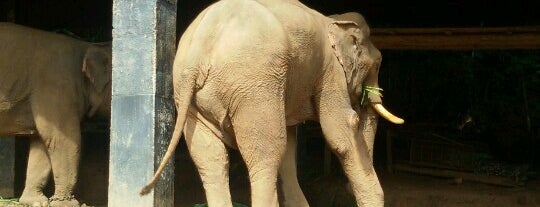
{"x": 290, "y": 186}
{"x": 246, "y": 72}
{"x": 49, "y": 82}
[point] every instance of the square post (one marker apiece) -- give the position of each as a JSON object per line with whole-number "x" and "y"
{"x": 7, "y": 167}
{"x": 142, "y": 117}
{"x": 7, "y": 144}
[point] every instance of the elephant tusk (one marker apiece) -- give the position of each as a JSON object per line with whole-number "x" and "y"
{"x": 379, "y": 108}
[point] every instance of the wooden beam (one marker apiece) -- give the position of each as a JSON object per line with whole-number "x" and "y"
{"x": 498, "y": 38}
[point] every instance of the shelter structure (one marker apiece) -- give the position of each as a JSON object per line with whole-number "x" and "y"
{"x": 144, "y": 34}
{"x": 142, "y": 115}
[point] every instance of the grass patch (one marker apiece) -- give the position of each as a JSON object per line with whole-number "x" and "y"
{"x": 9, "y": 202}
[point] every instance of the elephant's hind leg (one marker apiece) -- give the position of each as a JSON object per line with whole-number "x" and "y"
{"x": 261, "y": 136}
{"x": 37, "y": 175}
{"x": 210, "y": 156}
{"x": 292, "y": 193}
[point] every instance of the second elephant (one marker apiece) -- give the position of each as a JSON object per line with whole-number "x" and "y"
{"x": 48, "y": 84}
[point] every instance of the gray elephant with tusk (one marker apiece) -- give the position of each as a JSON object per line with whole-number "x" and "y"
{"x": 48, "y": 83}
{"x": 246, "y": 72}
{"x": 292, "y": 193}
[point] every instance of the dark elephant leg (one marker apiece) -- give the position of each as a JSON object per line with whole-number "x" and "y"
{"x": 37, "y": 174}
{"x": 292, "y": 192}
{"x": 210, "y": 156}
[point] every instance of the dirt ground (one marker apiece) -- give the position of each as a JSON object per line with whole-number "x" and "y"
{"x": 401, "y": 189}
{"x": 404, "y": 190}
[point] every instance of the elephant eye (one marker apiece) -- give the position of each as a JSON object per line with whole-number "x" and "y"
{"x": 354, "y": 41}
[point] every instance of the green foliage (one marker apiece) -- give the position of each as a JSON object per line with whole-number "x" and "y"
{"x": 369, "y": 89}
{"x": 9, "y": 202}
{"x": 500, "y": 83}
{"x": 500, "y": 90}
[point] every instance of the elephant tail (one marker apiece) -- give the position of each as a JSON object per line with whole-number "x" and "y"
{"x": 183, "y": 95}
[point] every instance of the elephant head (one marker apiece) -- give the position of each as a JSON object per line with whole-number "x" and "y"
{"x": 350, "y": 38}
{"x": 349, "y": 35}
{"x": 98, "y": 71}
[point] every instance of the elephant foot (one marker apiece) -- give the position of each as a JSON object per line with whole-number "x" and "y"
{"x": 36, "y": 199}
{"x": 64, "y": 201}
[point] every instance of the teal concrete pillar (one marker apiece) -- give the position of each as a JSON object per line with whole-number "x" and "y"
{"x": 142, "y": 115}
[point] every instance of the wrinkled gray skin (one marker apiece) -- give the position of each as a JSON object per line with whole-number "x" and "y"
{"x": 48, "y": 83}
{"x": 292, "y": 192}
{"x": 246, "y": 72}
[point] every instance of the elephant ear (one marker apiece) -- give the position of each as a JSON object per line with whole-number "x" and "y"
{"x": 346, "y": 38}
{"x": 354, "y": 17}
{"x": 97, "y": 68}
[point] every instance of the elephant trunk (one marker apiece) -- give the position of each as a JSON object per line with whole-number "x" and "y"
{"x": 368, "y": 127}
{"x": 373, "y": 94}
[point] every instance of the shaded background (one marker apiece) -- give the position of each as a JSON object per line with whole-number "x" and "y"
{"x": 92, "y": 19}
{"x": 488, "y": 97}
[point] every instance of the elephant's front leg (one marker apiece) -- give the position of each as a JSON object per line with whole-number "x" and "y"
{"x": 340, "y": 128}
{"x": 37, "y": 175}
{"x": 292, "y": 192}
{"x": 210, "y": 156}
{"x": 65, "y": 161}
{"x": 63, "y": 142}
